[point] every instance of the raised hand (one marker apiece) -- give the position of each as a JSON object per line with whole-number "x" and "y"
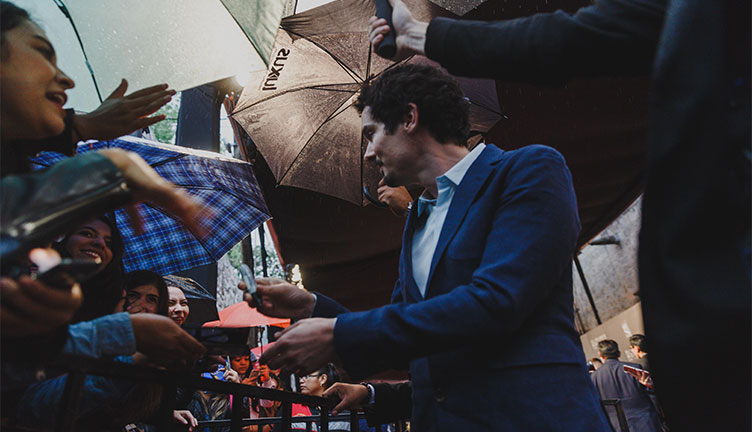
{"x": 411, "y": 33}
{"x": 303, "y": 347}
{"x": 120, "y": 115}
{"x": 30, "y": 307}
{"x": 281, "y": 299}
{"x": 398, "y": 199}
{"x": 351, "y": 396}
{"x": 185, "y": 417}
{"x": 164, "y": 342}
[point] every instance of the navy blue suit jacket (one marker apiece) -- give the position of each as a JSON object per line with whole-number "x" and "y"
{"x": 613, "y": 383}
{"x": 492, "y": 345}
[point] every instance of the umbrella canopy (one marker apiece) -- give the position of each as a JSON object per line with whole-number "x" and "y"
{"x": 185, "y": 43}
{"x": 242, "y": 315}
{"x": 301, "y": 116}
{"x": 459, "y": 7}
{"x": 202, "y": 304}
{"x": 260, "y": 349}
{"x": 225, "y": 185}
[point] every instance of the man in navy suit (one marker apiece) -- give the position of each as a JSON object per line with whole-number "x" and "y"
{"x": 696, "y": 228}
{"x": 613, "y": 382}
{"x": 482, "y": 311}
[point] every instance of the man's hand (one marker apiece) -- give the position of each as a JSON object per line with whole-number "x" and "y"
{"x": 411, "y": 33}
{"x": 281, "y": 299}
{"x": 351, "y": 396}
{"x": 120, "y": 115}
{"x": 163, "y": 341}
{"x": 303, "y": 347}
{"x": 30, "y": 307}
{"x": 147, "y": 185}
{"x": 185, "y": 417}
{"x": 397, "y": 198}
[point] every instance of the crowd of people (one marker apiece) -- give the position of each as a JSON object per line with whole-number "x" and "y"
{"x": 485, "y": 278}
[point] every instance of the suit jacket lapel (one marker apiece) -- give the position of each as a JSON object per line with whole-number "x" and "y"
{"x": 464, "y": 196}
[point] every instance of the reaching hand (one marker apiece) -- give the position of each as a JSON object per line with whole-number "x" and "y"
{"x": 163, "y": 341}
{"x": 120, "y": 115}
{"x": 30, "y": 307}
{"x": 185, "y": 417}
{"x": 351, "y": 396}
{"x": 397, "y": 198}
{"x": 147, "y": 185}
{"x": 232, "y": 376}
{"x": 411, "y": 34}
{"x": 303, "y": 347}
{"x": 281, "y": 299}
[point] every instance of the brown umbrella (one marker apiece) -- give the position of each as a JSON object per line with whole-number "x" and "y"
{"x": 301, "y": 116}
{"x": 459, "y": 7}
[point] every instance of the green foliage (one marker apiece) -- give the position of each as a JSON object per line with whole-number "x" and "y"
{"x": 235, "y": 255}
{"x": 165, "y": 130}
{"x": 273, "y": 267}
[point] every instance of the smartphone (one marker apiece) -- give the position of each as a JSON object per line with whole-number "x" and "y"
{"x": 68, "y": 272}
{"x": 250, "y": 282}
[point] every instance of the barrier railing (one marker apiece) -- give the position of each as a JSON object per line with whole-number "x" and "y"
{"x": 79, "y": 367}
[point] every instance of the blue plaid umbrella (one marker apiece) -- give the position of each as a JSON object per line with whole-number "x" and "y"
{"x": 225, "y": 185}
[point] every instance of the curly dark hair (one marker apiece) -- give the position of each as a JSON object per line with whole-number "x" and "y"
{"x": 442, "y": 106}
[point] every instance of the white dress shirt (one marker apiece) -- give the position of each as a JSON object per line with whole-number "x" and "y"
{"x": 426, "y": 238}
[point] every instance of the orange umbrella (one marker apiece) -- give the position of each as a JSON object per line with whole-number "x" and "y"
{"x": 260, "y": 349}
{"x": 242, "y": 315}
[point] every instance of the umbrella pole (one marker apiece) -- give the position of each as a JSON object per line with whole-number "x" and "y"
{"x": 264, "y": 270}
{"x": 64, "y": 9}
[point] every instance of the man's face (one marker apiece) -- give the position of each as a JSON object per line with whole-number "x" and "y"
{"x": 392, "y": 153}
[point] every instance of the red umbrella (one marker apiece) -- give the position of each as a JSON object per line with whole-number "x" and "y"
{"x": 242, "y": 315}
{"x": 260, "y": 349}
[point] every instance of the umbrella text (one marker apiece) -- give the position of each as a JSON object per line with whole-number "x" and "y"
{"x": 276, "y": 69}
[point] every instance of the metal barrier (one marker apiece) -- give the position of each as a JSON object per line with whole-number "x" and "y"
{"x": 79, "y": 367}
{"x": 616, "y": 403}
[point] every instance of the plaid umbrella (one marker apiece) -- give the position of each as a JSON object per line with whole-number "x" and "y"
{"x": 226, "y": 185}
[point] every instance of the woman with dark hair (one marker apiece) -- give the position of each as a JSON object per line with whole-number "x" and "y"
{"x": 145, "y": 291}
{"x": 33, "y": 96}
{"x": 97, "y": 239}
{"x": 314, "y": 384}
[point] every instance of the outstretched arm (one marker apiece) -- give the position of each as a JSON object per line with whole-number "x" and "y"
{"x": 611, "y": 37}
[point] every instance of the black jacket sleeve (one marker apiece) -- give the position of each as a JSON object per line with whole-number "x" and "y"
{"x": 327, "y": 308}
{"x": 611, "y": 37}
{"x": 393, "y": 403}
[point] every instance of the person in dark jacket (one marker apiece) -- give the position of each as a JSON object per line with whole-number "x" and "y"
{"x": 638, "y": 346}
{"x": 695, "y": 240}
{"x": 486, "y": 254}
{"x": 613, "y": 382}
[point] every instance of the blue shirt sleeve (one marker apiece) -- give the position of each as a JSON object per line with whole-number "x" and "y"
{"x": 110, "y": 335}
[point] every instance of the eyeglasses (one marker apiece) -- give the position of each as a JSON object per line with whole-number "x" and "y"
{"x": 309, "y": 376}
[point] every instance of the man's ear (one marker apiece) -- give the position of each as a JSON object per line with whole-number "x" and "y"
{"x": 411, "y": 118}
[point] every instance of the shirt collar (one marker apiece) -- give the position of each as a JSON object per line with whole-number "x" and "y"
{"x": 452, "y": 177}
